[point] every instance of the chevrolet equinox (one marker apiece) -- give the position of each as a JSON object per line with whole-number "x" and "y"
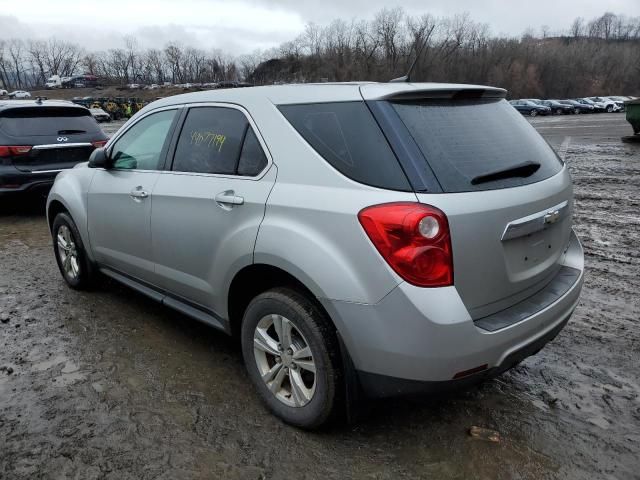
{"x": 364, "y": 237}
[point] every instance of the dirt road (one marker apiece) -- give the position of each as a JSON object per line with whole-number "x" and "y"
{"x": 109, "y": 385}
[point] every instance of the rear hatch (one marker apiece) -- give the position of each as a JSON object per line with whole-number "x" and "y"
{"x": 507, "y": 195}
{"x": 59, "y": 136}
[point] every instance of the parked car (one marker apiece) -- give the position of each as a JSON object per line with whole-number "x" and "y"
{"x": 19, "y": 94}
{"x": 558, "y": 108}
{"x": 38, "y": 139}
{"x": 579, "y": 107}
{"x": 100, "y": 115}
{"x": 528, "y": 107}
{"x": 597, "y": 106}
{"x": 385, "y": 254}
{"x": 620, "y": 98}
{"x": 610, "y": 105}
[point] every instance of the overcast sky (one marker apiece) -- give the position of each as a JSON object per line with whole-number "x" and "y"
{"x": 239, "y": 27}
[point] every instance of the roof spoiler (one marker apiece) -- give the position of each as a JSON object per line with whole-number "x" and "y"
{"x": 428, "y": 91}
{"x": 447, "y": 94}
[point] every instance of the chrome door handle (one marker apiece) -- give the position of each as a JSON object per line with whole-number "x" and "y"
{"x": 138, "y": 192}
{"x": 228, "y": 198}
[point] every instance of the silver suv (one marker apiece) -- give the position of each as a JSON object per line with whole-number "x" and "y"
{"x": 377, "y": 238}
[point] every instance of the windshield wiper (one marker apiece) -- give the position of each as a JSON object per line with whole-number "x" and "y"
{"x": 525, "y": 169}
{"x": 69, "y": 132}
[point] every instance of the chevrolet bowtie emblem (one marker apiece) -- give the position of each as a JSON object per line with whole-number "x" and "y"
{"x": 552, "y": 217}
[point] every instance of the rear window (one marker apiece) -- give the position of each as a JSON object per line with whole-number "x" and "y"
{"x": 347, "y": 136}
{"x": 467, "y": 141}
{"x": 26, "y": 122}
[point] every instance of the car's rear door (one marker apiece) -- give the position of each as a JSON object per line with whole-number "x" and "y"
{"x": 208, "y": 206}
{"x": 120, "y": 198}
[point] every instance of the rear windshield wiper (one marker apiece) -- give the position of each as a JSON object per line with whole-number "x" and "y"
{"x": 70, "y": 132}
{"x": 525, "y": 169}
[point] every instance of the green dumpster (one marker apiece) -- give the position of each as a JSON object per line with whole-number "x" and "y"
{"x": 633, "y": 115}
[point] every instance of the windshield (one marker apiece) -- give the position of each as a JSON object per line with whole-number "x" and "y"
{"x": 462, "y": 140}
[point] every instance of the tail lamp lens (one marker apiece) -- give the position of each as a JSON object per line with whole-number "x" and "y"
{"x": 99, "y": 143}
{"x": 414, "y": 239}
{"x": 13, "y": 150}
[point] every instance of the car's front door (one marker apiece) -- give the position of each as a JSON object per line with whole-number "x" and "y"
{"x": 120, "y": 197}
{"x": 208, "y": 207}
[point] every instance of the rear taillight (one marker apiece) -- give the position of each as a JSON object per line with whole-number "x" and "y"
{"x": 14, "y": 150}
{"x": 99, "y": 143}
{"x": 414, "y": 239}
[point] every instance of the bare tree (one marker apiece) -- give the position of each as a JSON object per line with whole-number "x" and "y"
{"x": 600, "y": 56}
{"x": 16, "y": 53}
{"x": 577, "y": 28}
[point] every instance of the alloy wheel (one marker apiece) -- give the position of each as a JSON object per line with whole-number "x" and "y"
{"x": 284, "y": 360}
{"x": 68, "y": 252}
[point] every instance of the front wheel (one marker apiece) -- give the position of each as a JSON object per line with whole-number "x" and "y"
{"x": 292, "y": 355}
{"x": 609, "y": 109}
{"x": 576, "y": 111}
{"x": 71, "y": 257}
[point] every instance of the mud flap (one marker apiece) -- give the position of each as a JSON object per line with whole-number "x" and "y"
{"x": 355, "y": 404}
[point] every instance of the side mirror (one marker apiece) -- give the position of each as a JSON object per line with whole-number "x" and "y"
{"x": 99, "y": 159}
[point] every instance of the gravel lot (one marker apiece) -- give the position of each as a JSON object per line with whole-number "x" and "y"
{"x": 109, "y": 385}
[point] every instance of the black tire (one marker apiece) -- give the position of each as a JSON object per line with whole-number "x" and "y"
{"x": 609, "y": 109}
{"x": 576, "y": 111}
{"x": 87, "y": 273}
{"x": 559, "y": 111}
{"x": 533, "y": 113}
{"x": 322, "y": 339}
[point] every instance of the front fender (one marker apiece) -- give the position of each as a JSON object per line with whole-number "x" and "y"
{"x": 70, "y": 189}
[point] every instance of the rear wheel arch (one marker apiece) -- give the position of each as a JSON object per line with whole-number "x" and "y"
{"x": 255, "y": 279}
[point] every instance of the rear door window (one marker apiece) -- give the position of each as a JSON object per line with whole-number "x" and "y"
{"x": 211, "y": 141}
{"x": 347, "y": 136}
{"x": 463, "y": 140}
{"x": 41, "y": 121}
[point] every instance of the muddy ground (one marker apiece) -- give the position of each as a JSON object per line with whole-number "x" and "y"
{"x": 109, "y": 385}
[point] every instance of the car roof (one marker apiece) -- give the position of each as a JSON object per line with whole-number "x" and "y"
{"x": 323, "y": 92}
{"x": 11, "y": 104}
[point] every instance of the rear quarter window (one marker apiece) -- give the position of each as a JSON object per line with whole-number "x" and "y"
{"x": 466, "y": 139}
{"x": 347, "y": 136}
{"x": 47, "y": 121}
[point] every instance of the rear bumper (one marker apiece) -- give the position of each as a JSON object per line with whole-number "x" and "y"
{"x": 13, "y": 181}
{"x": 375, "y": 385}
{"x": 415, "y": 339}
